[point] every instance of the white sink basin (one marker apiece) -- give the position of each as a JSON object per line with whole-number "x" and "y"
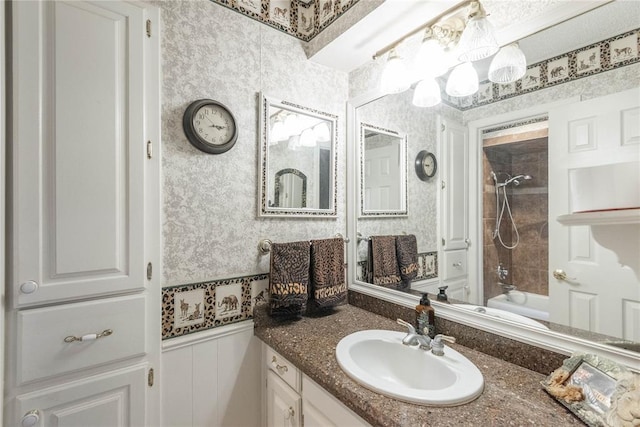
{"x": 379, "y": 361}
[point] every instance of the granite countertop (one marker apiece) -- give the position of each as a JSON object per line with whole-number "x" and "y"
{"x": 512, "y": 395}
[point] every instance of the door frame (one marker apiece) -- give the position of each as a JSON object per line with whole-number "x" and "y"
{"x": 475, "y": 260}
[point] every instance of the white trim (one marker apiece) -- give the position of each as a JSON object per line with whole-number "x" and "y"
{"x": 208, "y": 335}
{"x": 3, "y": 172}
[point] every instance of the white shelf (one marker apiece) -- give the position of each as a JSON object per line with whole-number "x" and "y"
{"x": 614, "y": 217}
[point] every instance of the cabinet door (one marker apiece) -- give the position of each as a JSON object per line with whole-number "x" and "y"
{"x": 78, "y": 150}
{"x": 283, "y": 404}
{"x": 321, "y": 409}
{"x": 113, "y": 400}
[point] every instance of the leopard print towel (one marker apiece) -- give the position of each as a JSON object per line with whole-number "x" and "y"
{"x": 384, "y": 261}
{"x": 289, "y": 278}
{"x": 407, "y": 252}
{"x": 328, "y": 284}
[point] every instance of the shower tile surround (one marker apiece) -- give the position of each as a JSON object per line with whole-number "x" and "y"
{"x": 516, "y": 151}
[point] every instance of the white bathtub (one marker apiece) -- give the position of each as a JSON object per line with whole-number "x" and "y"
{"x": 534, "y": 306}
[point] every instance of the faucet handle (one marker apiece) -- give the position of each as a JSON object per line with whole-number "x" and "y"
{"x": 447, "y": 338}
{"x": 408, "y": 325}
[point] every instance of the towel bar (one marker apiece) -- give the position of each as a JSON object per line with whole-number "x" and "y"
{"x": 264, "y": 245}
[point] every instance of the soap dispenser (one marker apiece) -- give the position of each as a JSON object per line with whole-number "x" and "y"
{"x": 425, "y": 317}
{"x": 442, "y": 296}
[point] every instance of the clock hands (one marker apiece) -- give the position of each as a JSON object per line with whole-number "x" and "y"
{"x": 218, "y": 127}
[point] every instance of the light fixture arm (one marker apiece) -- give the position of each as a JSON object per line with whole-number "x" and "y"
{"x": 431, "y": 23}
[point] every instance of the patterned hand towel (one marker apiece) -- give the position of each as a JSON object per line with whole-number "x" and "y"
{"x": 384, "y": 261}
{"x": 407, "y": 251}
{"x": 289, "y": 278}
{"x": 328, "y": 283}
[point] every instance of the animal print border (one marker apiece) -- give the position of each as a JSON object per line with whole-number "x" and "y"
{"x": 251, "y": 291}
{"x": 302, "y": 19}
{"x": 595, "y": 58}
{"x": 424, "y": 271}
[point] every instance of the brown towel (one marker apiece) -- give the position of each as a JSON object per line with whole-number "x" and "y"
{"x": 289, "y": 278}
{"x": 385, "y": 264}
{"x": 407, "y": 252}
{"x": 328, "y": 284}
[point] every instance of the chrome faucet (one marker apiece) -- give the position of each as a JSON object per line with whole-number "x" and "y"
{"x": 413, "y": 337}
{"x": 506, "y": 288}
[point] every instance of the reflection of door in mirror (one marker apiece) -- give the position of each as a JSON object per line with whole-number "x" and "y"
{"x": 290, "y": 189}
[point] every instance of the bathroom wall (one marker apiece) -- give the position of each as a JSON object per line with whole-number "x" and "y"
{"x": 211, "y": 229}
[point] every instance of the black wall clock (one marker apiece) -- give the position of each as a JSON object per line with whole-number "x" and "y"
{"x": 426, "y": 165}
{"x": 210, "y": 126}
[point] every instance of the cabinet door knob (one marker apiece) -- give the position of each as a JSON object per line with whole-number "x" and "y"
{"x": 290, "y": 413}
{"x": 28, "y": 287}
{"x": 30, "y": 419}
{"x": 457, "y": 264}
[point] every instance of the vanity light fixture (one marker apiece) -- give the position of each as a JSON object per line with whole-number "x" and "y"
{"x": 454, "y": 39}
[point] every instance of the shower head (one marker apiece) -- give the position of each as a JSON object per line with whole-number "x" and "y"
{"x": 515, "y": 180}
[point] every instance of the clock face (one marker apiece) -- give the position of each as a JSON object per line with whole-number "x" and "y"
{"x": 429, "y": 165}
{"x": 426, "y": 165}
{"x": 214, "y": 124}
{"x": 210, "y": 126}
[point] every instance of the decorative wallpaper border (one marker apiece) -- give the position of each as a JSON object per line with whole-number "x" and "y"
{"x": 302, "y": 19}
{"x": 596, "y": 58}
{"x": 427, "y": 267}
{"x": 200, "y": 306}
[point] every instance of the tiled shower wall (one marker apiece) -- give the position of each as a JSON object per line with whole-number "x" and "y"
{"x": 527, "y": 263}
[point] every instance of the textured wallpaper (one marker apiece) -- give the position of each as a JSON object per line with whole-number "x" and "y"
{"x": 210, "y": 228}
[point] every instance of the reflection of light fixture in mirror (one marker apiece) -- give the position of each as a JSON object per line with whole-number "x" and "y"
{"x": 321, "y": 132}
{"x": 478, "y": 40}
{"x": 427, "y": 93}
{"x": 395, "y": 76}
{"x": 508, "y": 65}
{"x": 463, "y": 80}
{"x": 277, "y": 132}
{"x": 292, "y": 125}
{"x": 307, "y": 138}
{"x": 294, "y": 142}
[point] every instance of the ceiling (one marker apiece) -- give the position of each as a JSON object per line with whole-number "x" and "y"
{"x": 543, "y": 27}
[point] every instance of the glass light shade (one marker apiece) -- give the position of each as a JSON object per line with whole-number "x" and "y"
{"x": 292, "y": 125}
{"x": 307, "y": 138}
{"x": 277, "y": 132}
{"x": 463, "y": 81}
{"x": 395, "y": 76}
{"x": 478, "y": 40}
{"x": 427, "y": 93}
{"x": 321, "y": 132}
{"x": 431, "y": 60}
{"x": 508, "y": 65}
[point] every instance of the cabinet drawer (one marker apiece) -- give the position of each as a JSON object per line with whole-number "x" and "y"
{"x": 282, "y": 368}
{"x": 454, "y": 264}
{"x": 42, "y": 351}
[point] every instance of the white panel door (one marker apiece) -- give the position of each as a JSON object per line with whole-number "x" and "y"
{"x": 78, "y": 158}
{"x": 602, "y": 263}
{"x": 454, "y": 186}
{"x": 283, "y": 404}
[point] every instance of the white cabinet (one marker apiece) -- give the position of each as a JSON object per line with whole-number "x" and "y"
{"x": 293, "y": 399}
{"x": 283, "y": 403}
{"x": 83, "y": 315}
{"x": 454, "y": 209}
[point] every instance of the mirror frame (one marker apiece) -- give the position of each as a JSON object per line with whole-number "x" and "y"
{"x": 266, "y": 103}
{"x": 547, "y": 339}
{"x": 378, "y": 213}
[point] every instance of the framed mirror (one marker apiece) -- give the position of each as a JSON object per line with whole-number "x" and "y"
{"x": 297, "y": 165}
{"x": 383, "y": 172}
{"x": 495, "y": 119}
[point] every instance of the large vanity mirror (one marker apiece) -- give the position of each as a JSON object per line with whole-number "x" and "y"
{"x": 297, "y": 165}
{"x": 383, "y": 171}
{"x": 493, "y": 121}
